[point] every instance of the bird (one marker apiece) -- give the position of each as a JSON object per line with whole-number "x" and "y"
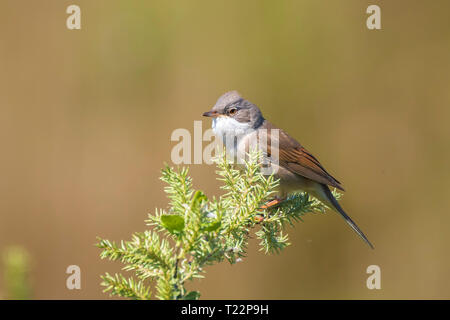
{"x": 238, "y": 123}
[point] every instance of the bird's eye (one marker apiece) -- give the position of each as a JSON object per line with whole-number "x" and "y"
{"x": 232, "y": 111}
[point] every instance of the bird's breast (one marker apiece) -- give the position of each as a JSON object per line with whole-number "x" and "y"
{"x": 231, "y": 132}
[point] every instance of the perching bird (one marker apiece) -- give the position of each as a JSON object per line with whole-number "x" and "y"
{"x": 240, "y": 123}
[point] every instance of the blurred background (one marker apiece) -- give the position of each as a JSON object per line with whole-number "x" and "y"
{"x": 86, "y": 118}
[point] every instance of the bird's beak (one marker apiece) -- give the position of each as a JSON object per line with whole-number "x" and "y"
{"x": 211, "y": 114}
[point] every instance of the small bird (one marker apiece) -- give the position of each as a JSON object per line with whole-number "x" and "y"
{"x": 296, "y": 168}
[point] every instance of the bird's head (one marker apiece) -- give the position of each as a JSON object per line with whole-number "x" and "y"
{"x": 232, "y": 106}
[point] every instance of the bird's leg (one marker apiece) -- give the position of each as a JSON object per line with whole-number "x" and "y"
{"x": 272, "y": 203}
{"x": 260, "y": 218}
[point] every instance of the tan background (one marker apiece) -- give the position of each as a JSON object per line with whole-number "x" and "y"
{"x": 86, "y": 118}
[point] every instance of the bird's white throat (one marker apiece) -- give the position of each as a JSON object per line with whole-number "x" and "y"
{"x": 225, "y": 126}
{"x": 232, "y": 133}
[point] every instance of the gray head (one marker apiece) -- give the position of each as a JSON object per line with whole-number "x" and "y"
{"x": 232, "y": 105}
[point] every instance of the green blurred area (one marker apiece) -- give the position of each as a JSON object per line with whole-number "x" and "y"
{"x": 86, "y": 118}
{"x": 16, "y": 270}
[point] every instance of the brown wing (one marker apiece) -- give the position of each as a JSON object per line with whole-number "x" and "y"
{"x": 299, "y": 160}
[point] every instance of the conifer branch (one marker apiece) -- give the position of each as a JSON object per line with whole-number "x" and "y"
{"x": 194, "y": 231}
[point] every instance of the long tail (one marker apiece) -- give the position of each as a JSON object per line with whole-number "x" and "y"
{"x": 331, "y": 200}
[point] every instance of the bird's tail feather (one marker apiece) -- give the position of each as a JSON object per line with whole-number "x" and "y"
{"x": 331, "y": 201}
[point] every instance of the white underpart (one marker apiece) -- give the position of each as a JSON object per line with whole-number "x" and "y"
{"x": 240, "y": 138}
{"x": 231, "y": 132}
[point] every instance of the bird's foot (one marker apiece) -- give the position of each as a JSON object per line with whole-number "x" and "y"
{"x": 272, "y": 203}
{"x": 260, "y": 218}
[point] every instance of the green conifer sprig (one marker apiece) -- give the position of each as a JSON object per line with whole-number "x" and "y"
{"x": 194, "y": 231}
